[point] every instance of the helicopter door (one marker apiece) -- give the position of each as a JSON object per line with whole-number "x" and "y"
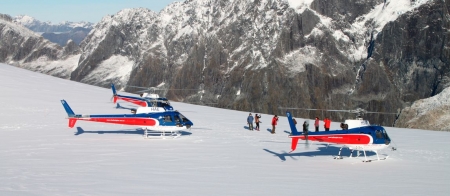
{"x": 178, "y": 121}
{"x": 387, "y": 139}
{"x": 382, "y": 135}
{"x": 168, "y": 118}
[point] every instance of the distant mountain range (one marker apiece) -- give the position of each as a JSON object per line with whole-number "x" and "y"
{"x": 57, "y": 33}
{"x": 258, "y": 56}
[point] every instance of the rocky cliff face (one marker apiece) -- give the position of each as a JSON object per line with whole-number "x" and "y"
{"x": 259, "y": 55}
{"x": 22, "y": 47}
{"x": 431, "y": 113}
{"x": 412, "y": 55}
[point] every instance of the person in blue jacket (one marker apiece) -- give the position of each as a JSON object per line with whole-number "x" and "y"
{"x": 250, "y": 122}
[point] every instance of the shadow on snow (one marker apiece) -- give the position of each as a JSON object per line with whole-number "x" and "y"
{"x": 133, "y": 131}
{"x": 323, "y": 150}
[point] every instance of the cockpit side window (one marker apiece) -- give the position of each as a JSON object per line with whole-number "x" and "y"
{"x": 184, "y": 118}
{"x": 378, "y": 134}
{"x": 177, "y": 119}
{"x": 168, "y": 118}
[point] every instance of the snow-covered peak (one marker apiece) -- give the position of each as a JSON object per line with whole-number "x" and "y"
{"x": 24, "y": 32}
{"x": 25, "y": 20}
{"x": 387, "y": 12}
{"x": 38, "y": 26}
{"x": 299, "y": 5}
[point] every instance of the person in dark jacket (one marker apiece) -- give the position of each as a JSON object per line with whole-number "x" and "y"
{"x": 305, "y": 126}
{"x": 344, "y": 126}
{"x": 257, "y": 121}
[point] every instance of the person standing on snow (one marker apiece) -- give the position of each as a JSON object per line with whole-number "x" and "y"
{"x": 316, "y": 124}
{"x": 257, "y": 117}
{"x": 274, "y": 123}
{"x": 305, "y": 127}
{"x": 327, "y": 123}
{"x": 250, "y": 122}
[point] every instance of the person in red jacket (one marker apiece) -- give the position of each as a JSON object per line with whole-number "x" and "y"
{"x": 274, "y": 123}
{"x": 327, "y": 123}
{"x": 316, "y": 123}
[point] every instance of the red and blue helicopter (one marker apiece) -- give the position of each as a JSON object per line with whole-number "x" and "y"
{"x": 151, "y": 100}
{"x": 150, "y": 120}
{"x": 360, "y": 136}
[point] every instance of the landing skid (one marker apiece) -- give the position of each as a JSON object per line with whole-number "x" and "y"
{"x": 338, "y": 157}
{"x": 161, "y": 134}
{"x": 370, "y": 160}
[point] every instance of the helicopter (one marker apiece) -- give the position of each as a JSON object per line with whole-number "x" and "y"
{"x": 151, "y": 100}
{"x": 148, "y": 98}
{"x": 357, "y": 135}
{"x": 168, "y": 121}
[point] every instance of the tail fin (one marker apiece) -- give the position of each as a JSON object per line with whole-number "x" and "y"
{"x": 114, "y": 93}
{"x": 113, "y": 89}
{"x": 66, "y": 106}
{"x": 293, "y": 131}
{"x": 292, "y": 124}
{"x": 70, "y": 113}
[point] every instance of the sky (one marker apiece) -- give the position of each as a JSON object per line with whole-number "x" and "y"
{"x": 40, "y": 155}
{"x": 75, "y": 10}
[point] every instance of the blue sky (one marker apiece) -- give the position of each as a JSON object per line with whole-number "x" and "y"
{"x": 75, "y": 10}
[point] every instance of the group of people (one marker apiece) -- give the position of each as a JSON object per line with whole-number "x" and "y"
{"x": 250, "y": 121}
{"x": 326, "y": 126}
{"x": 250, "y": 118}
{"x": 257, "y": 121}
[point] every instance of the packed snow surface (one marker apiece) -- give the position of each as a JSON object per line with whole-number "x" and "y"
{"x": 40, "y": 155}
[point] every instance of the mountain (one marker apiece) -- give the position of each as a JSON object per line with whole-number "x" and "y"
{"x": 261, "y": 55}
{"x": 24, "y": 48}
{"x": 217, "y": 156}
{"x": 57, "y": 33}
{"x": 48, "y": 27}
{"x": 76, "y": 34}
{"x": 432, "y": 113}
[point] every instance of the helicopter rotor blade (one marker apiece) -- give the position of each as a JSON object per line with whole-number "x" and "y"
{"x": 356, "y": 111}
{"x": 139, "y": 87}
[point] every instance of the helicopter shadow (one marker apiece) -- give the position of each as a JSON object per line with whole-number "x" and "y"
{"x": 134, "y": 131}
{"x": 323, "y": 150}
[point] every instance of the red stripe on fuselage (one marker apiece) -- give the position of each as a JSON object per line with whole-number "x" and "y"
{"x": 134, "y": 101}
{"x": 339, "y": 138}
{"x": 124, "y": 121}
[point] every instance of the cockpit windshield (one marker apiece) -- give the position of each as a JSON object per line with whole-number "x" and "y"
{"x": 183, "y": 118}
{"x": 379, "y": 134}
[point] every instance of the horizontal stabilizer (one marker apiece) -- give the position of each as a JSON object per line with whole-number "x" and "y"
{"x": 121, "y": 107}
